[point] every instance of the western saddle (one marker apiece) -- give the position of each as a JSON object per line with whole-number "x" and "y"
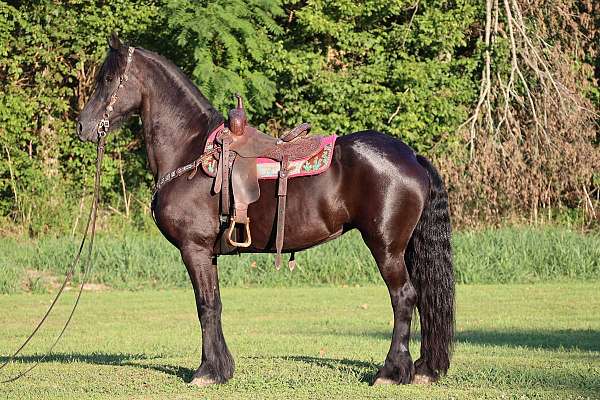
{"x": 241, "y": 145}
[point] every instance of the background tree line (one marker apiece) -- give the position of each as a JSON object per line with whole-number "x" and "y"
{"x": 503, "y": 94}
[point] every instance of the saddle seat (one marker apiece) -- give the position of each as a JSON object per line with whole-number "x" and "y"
{"x": 241, "y": 146}
{"x": 255, "y": 144}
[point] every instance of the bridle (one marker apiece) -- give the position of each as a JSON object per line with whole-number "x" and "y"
{"x": 101, "y": 130}
{"x": 104, "y": 124}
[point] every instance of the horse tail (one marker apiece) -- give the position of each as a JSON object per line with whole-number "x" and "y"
{"x": 429, "y": 261}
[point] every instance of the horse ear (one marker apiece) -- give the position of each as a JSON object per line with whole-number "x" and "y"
{"x": 114, "y": 42}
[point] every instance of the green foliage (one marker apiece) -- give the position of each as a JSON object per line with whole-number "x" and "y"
{"x": 136, "y": 260}
{"x": 341, "y": 65}
{"x": 408, "y": 68}
{"x": 228, "y": 44}
{"x": 387, "y": 66}
{"x": 50, "y": 51}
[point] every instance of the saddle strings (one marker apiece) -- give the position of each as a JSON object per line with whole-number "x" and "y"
{"x": 91, "y": 221}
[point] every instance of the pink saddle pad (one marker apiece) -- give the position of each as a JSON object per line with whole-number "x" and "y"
{"x": 269, "y": 169}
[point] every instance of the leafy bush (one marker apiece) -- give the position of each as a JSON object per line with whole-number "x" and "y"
{"x": 391, "y": 66}
{"x": 49, "y": 58}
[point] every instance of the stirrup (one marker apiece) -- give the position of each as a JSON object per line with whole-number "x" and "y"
{"x": 230, "y": 230}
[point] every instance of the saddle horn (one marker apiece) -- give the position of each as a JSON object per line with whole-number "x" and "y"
{"x": 237, "y": 118}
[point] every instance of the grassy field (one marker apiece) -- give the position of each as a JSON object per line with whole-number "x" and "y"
{"x": 136, "y": 260}
{"x": 513, "y": 342}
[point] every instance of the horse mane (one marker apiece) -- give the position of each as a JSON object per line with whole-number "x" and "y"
{"x": 115, "y": 63}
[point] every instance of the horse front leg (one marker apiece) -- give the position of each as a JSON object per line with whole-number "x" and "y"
{"x": 217, "y": 364}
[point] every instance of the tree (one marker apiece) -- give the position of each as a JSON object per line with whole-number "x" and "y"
{"x": 228, "y": 45}
{"x": 399, "y": 67}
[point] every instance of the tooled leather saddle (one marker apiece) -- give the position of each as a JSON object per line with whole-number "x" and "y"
{"x": 241, "y": 146}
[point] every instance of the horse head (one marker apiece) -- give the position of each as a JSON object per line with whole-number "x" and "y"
{"x": 117, "y": 93}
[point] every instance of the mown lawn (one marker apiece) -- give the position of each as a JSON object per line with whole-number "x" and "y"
{"x": 514, "y": 341}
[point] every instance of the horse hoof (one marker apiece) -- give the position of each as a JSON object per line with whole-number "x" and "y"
{"x": 420, "y": 379}
{"x": 384, "y": 381}
{"x": 202, "y": 381}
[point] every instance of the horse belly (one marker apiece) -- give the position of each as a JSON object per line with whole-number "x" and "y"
{"x": 314, "y": 213}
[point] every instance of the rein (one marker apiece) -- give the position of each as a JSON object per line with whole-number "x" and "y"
{"x": 92, "y": 216}
{"x": 101, "y": 131}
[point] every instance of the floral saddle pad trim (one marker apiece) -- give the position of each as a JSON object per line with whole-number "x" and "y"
{"x": 269, "y": 169}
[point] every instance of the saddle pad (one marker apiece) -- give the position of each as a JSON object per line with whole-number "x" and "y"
{"x": 269, "y": 169}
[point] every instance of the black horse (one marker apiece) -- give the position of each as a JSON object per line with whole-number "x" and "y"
{"x": 375, "y": 184}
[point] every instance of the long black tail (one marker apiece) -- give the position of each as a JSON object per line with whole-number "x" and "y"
{"x": 429, "y": 261}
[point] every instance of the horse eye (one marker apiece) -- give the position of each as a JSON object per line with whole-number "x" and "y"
{"x": 109, "y": 78}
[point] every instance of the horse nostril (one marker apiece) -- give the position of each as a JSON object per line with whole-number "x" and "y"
{"x": 79, "y": 128}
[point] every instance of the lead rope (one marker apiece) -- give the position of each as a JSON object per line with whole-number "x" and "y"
{"x": 102, "y": 131}
{"x": 92, "y": 216}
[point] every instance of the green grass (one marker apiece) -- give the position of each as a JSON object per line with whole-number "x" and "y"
{"x": 136, "y": 260}
{"x": 513, "y": 342}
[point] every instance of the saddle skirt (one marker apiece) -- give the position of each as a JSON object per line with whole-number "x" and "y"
{"x": 317, "y": 163}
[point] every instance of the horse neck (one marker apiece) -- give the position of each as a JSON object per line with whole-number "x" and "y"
{"x": 176, "y": 118}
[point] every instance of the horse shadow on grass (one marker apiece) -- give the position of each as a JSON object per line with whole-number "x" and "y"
{"x": 365, "y": 371}
{"x": 558, "y": 340}
{"x": 121, "y": 359}
{"x": 554, "y": 340}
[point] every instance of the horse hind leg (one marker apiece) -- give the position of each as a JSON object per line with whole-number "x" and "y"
{"x": 398, "y": 367}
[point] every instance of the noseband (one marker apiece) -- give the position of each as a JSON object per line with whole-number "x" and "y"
{"x": 104, "y": 124}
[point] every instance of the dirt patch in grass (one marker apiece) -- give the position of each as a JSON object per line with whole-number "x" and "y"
{"x": 35, "y": 281}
